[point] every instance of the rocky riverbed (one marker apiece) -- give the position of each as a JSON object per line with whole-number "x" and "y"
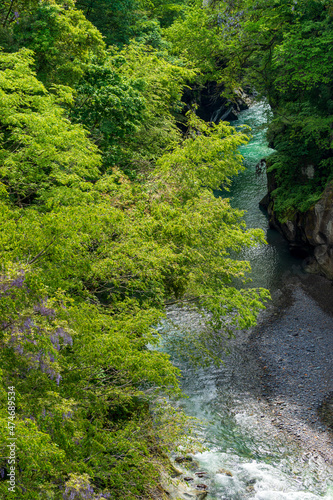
{"x": 261, "y": 408}
{"x": 266, "y": 410}
{"x": 294, "y": 344}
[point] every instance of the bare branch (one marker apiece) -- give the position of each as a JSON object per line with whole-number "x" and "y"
{"x": 41, "y": 253}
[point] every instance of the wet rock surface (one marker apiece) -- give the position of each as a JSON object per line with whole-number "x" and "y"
{"x": 310, "y": 234}
{"x": 212, "y": 106}
{"x": 178, "y": 490}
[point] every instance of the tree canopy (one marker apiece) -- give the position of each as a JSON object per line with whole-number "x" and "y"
{"x": 108, "y": 215}
{"x": 283, "y": 49}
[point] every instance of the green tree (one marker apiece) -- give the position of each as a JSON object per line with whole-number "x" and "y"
{"x": 129, "y": 105}
{"x": 40, "y": 148}
{"x": 87, "y": 270}
{"x": 115, "y": 19}
{"x": 196, "y": 39}
{"x": 62, "y": 39}
{"x": 112, "y": 107}
{"x": 90, "y": 257}
{"x": 284, "y": 50}
{"x": 161, "y": 84}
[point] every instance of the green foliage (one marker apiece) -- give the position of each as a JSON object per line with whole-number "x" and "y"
{"x": 208, "y": 157}
{"x": 62, "y": 39}
{"x": 92, "y": 275}
{"x": 301, "y": 134}
{"x": 10, "y": 10}
{"x": 90, "y": 256}
{"x": 111, "y": 106}
{"x": 162, "y": 83}
{"x": 197, "y": 40}
{"x": 303, "y": 58}
{"x": 165, "y": 11}
{"x": 284, "y": 50}
{"x": 148, "y": 96}
{"x": 115, "y": 19}
{"x": 129, "y": 105}
{"x": 40, "y": 148}
{"x": 65, "y": 422}
{"x": 121, "y": 21}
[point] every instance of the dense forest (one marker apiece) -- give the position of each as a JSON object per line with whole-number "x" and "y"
{"x": 108, "y": 214}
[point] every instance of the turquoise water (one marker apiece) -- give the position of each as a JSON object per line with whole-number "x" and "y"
{"x": 237, "y": 431}
{"x": 269, "y": 262}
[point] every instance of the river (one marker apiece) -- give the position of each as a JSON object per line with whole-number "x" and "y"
{"x": 247, "y": 456}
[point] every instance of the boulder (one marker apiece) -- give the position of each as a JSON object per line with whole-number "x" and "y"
{"x": 176, "y": 489}
{"x": 224, "y": 471}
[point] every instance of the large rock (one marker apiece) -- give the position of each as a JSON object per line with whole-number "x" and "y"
{"x": 176, "y": 489}
{"x": 310, "y": 233}
{"x": 211, "y": 105}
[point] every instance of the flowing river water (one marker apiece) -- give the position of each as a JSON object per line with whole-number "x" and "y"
{"x": 248, "y": 453}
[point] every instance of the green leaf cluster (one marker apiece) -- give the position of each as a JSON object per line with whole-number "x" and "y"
{"x": 129, "y": 105}
{"x": 62, "y": 39}
{"x": 197, "y": 39}
{"x": 40, "y": 148}
{"x": 91, "y": 256}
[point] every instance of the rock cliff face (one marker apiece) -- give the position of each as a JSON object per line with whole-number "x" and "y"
{"x": 211, "y": 105}
{"x": 310, "y": 234}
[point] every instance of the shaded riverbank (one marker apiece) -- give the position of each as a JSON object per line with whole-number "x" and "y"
{"x": 294, "y": 345}
{"x": 260, "y": 409}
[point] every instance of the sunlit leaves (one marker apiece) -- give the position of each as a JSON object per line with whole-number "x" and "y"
{"x": 196, "y": 39}
{"x": 90, "y": 257}
{"x": 40, "y": 148}
{"x": 207, "y": 158}
{"x": 62, "y": 38}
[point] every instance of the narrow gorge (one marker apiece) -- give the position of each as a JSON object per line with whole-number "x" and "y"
{"x": 261, "y": 412}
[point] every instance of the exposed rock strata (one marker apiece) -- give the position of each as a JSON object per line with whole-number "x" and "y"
{"x": 310, "y": 234}
{"x": 212, "y": 106}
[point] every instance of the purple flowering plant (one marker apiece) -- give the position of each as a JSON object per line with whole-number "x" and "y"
{"x": 33, "y": 327}
{"x": 78, "y": 487}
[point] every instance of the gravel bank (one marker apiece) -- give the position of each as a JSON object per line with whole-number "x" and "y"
{"x": 294, "y": 345}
